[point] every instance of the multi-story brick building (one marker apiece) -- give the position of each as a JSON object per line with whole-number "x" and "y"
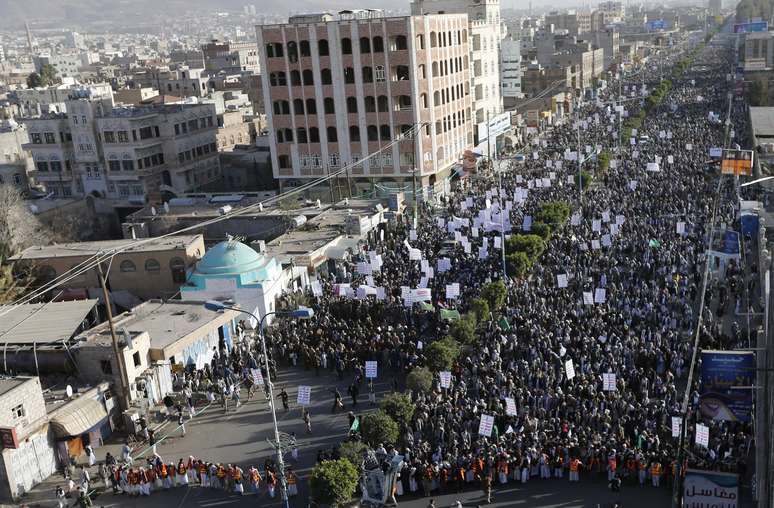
{"x": 124, "y": 154}
{"x": 337, "y": 89}
{"x": 231, "y": 57}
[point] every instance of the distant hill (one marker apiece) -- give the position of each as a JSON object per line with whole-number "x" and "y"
{"x": 13, "y": 13}
{"x": 749, "y": 9}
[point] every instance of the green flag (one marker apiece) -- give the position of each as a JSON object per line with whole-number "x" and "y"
{"x": 450, "y": 314}
{"x": 654, "y": 244}
{"x": 355, "y": 425}
{"x": 426, "y": 306}
{"x": 504, "y": 325}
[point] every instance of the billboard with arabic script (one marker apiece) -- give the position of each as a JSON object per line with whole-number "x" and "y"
{"x": 702, "y": 489}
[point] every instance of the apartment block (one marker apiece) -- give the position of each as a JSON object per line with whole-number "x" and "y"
{"x": 125, "y": 154}
{"x": 338, "y": 88}
{"x": 231, "y": 57}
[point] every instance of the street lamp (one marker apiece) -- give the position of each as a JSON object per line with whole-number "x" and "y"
{"x": 300, "y": 313}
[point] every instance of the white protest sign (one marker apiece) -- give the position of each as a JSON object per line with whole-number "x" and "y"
{"x": 445, "y": 378}
{"x": 680, "y": 228}
{"x": 588, "y": 298}
{"x": 370, "y": 369}
{"x": 702, "y": 435}
{"x": 317, "y": 288}
{"x": 304, "y": 395}
{"x": 510, "y": 407}
{"x": 608, "y": 382}
{"x": 257, "y": 376}
{"x": 415, "y": 255}
{"x": 677, "y": 424}
{"x": 413, "y": 235}
{"x": 561, "y": 280}
{"x": 600, "y": 295}
{"x": 569, "y": 369}
{"x": 486, "y": 425}
{"x": 452, "y": 290}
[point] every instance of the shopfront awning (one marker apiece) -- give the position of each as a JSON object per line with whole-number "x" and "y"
{"x": 77, "y": 417}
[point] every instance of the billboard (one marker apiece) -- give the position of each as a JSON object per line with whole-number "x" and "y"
{"x": 725, "y": 242}
{"x": 656, "y": 24}
{"x": 495, "y": 126}
{"x": 754, "y": 26}
{"x": 703, "y": 489}
{"x": 721, "y": 372}
{"x": 737, "y": 162}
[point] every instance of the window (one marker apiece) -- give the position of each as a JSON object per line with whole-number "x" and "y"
{"x": 365, "y": 45}
{"x": 379, "y": 73}
{"x": 284, "y": 161}
{"x": 292, "y": 52}
{"x": 368, "y": 75}
{"x": 295, "y": 78}
{"x": 378, "y": 44}
{"x": 314, "y": 135}
{"x": 370, "y": 104}
{"x": 42, "y": 166}
{"x": 398, "y": 43}
{"x": 123, "y": 136}
{"x": 332, "y": 135}
{"x": 36, "y": 138}
{"x": 304, "y": 46}
{"x": 298, "y": 106}
{"x": 106, "y": 366}
{"x": 177, "y": 131}
{"x": 325, "y": 77}
{"x": 280, "y": 136}
{"x": 301, "y": 135}
{"x": 322, "y": 47}
{"x": 177, "y": 265}
{"x": 329, "y": 107}
{"x": 311, "y": 107}
{"x": 114, "y": 165}
{"x": 56, "y": 166}
{"x": 354, "y": 133}
{"x": 126, "y": 265}
{"x": 128, "y": 165}
{"x": 346, "y": 46}
{"x": 138, "y": 190}
{"x": 420, "y": 41}
{"x": 334, "y": 160}
{"x": 349, "y": 75}
{"x": 137, "y": 359}
{"x": 308, "y": 77}
{"x": 50, "y": 138}
{"x": 383, "y": 103}
{"x": 373, "y": 133}
{"x": 384, "y": 132}
{"x": 18, "y": 412}
{"x": 351, "y": 105}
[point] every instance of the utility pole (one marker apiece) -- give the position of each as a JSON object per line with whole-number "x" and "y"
{"x": 417, "y": 130}
{"x": 123, "y": 391}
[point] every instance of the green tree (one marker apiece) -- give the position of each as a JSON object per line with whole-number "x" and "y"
{"x": 603, "y": 160}
{"x": 464, "y": 330}
{"x": 34, "y": 80}
{"x": 480, "y": 308}
{"x": 353, "y": 451}
{"x": 333, "y": 482}
{"x": 553, "y": 213}
{"x": 586, "y": 178}
{"x": 518, "y": 264}
{"x": 532, "y": 245}
{"x": 441, "y": 354}
{"x": 48, "y": 74}
{"x": 542, "y": 230}
{"x": 399, "y": 406}
{"x": 495, "y": 293}
{"x": 420, "y": 379}
{"x": 378, "y": 428}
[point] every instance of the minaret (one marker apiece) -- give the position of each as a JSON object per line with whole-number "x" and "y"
{"x": 29, "y": 37}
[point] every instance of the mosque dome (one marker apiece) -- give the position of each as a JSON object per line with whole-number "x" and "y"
{"x": 229, "y": 257}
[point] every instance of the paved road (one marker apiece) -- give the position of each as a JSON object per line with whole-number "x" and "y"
{"x": 239, "y": 437}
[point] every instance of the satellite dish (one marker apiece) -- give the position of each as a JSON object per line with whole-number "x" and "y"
{"x": 69, "y": 391}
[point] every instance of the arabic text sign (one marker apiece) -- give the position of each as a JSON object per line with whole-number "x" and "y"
{"x": 510, "y": 407}
{"x": 486, "y": 425}
{"x": 445, "y": 378}
{"x": 608, "y": 382}
{"x": 257, "y": 376}
{"x": 304, "y": 395}
{"x": 370, "y": 369}
{"x": 710, "y": 488}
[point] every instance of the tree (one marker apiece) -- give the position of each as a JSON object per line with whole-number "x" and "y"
{"x": 464, "y": 330}
{"x": 353, "y": 452}
{"x": 603, "y": 160}
{"x": 542, "y": 230}
{"x": 441, "y": 354}
{"x": 495, "y": 293}
{"x": 333, "y": 482}
{"x": 585, "y": 179}
{"x": 46, "y": 77}
{"x": 378, "y": 428}
{"x": 34, "y": 80}
{"x": 532, "y": 245}
{"x": 480, "y": 308}
{"x": 553, "y": 212}
{"x": 518, "y": 264}
{"x": 420, "y": 379}
{"x": 399, "y": 406}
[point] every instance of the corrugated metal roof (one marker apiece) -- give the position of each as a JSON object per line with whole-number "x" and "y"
{"x": 43, "y": 323}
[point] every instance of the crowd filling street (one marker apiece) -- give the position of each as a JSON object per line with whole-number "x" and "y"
{"x": 615, "y": 292}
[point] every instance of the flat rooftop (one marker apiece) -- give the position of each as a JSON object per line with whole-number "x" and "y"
{"x": 165, "y": 322}
{"x": 9, "y": 383}
{"x": 209, "y": 207}
{"x": 43, "y": 323}
{"x": 81, "y": 249}
{"x": 762, "y": 120}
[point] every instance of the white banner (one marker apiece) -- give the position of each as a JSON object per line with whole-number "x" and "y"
{"x": 608, "y": 382}
{"x": 569, "y": 369}
{"x": 257, "y": 376}
{"x": 370, "y": 369}
{"x": 510, "y": 406}
{"x": 677, "y": 424}
{"x": 304, "y": 395}
{"x": 702, "y": 435}
{"x": 445, "y": 378}
{"x": 486, "y": 425}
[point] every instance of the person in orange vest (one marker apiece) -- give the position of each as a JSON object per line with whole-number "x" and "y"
{"x": 427, "y": 480}
{"x": 575, "y": 465}
{"x": 134, "y": 483}
{"x": 612, "y": 466}
{"x": 631, "y": 467}
{"x": 292, "y": 479}
{"x": 459, "y": 477}
{"x": 203, "y": 480}
{"x": 236, "y": 475}
{"x": 271, "y": 483}
{"x": 655, "y": 473}
{"x": 502, "y": 470}
{"x": 642, "y": 466}
{"x": 255, "y": 479}
{"x": 182, "y": 473}
{"x": 220, "y": 475}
